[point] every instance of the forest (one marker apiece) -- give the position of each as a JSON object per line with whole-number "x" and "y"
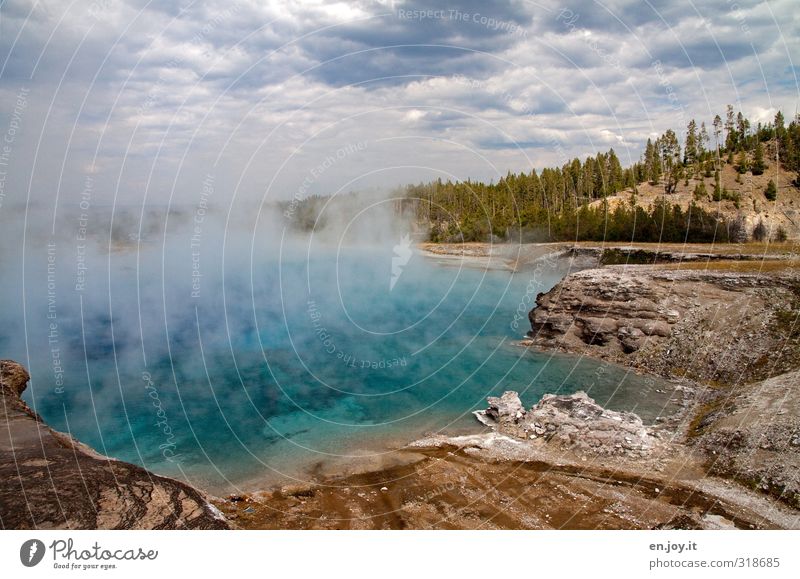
{"x": 554, "y": 204}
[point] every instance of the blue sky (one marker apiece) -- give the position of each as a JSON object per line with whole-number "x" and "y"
{"x": 147, "y": 99}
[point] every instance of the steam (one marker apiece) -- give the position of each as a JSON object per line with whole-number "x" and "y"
{"x": 96, "y": 296}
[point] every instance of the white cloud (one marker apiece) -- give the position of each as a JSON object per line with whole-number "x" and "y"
{"x": 243, "y": 86}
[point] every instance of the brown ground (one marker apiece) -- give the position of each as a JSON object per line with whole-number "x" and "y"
{"x": 753, "y": 435}
{"x": 754, "y": 249}
{"x": 463, "y": 249}
{"x": 739, "y": 266}
{"x": 465, "y": 488}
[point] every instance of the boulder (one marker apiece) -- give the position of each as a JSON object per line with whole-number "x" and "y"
{"x": 574, "y": 421}
{"x": 657, "y": 328}
{"x": 631, "y": 338}
{"x": 13, "y": 377}
{"x": 506, "y": 407}
{"x": 504, "y": 414}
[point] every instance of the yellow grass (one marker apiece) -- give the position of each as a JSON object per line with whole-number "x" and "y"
{"x": 783, "y": 249}
{"x": 767, "y": 266}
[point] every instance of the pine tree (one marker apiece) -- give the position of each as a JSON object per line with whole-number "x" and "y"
{"x": 758, "y": 159}
{"x": 615, "y": 174}
{"x": 742, "y": 165}
{"x": 780, "y": 129}
{"x": 588, "y": 178}
{"x": 717, "y": 133}
{"x": 690, "y": 149}
{"x": 730, "y": 132}
{"x": 670, "y": 157}
{"x": 771, "y": 192}
{"x": 742, "y": 125}
{"x": 700, "y": 193}
{"x": 760, "y": 231}
{"x": 650, "y": 165}
{"x": 702, "y": 141}
{"x": 601, "y": 175}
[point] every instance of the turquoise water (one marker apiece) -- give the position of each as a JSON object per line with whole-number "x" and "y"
{"x": 283, "y": 360}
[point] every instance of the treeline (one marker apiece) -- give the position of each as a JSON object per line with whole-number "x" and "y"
{"x": 549, "y": 205}
{"x": 663, "y": 221}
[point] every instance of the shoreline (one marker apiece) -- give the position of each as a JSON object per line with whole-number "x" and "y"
{"x": 382, "y": 453}
{"x": 691, "y": 476}
{"x": 48, "y": 479}
{"x": 700, "y": 481}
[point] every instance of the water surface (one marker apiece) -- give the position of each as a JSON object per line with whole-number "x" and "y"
{"x": 254, "y": 363}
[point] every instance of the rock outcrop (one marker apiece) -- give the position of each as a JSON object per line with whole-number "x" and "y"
{"x": 734, "y": 333}
{"x": 704, "y": 325}
{"x": 48, "y": 480}
{"x": 754, "y": 437}
{"x": 575, "y": 422}
{"x": 13, "y": 378}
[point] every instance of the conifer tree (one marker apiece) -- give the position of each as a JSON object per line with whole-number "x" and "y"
{"x": 615, "y": 173}
{"x": 742, "y": 165}
{"x": 730, "y": 131}
{"x": 670, "y": 157}
{"x": 717, "y": 133}
{"x": 758, "y": 159}
{"x": 771, "y": 192}
{"x": 702, "y": 141}
{"x": 690, "y": 149}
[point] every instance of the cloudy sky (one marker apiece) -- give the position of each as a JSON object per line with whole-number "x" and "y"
{"x": 273, "y": 99}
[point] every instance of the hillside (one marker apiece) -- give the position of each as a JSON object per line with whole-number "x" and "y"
{"x": 752, "y": 204}
{"x": 722, "y": 183}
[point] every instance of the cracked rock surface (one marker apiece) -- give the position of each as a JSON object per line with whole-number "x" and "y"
{"x": 703, "y": 325}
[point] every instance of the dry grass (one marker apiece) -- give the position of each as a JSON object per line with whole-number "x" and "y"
{"x": 787, "y": 249}
{"x": 738, "y": 266}
{"x": 471, "y": 249}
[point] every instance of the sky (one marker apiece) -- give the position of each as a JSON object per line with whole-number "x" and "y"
{"x": 150, "y": 102}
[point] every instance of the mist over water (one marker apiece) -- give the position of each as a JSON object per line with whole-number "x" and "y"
{"x": 230, "y": 351}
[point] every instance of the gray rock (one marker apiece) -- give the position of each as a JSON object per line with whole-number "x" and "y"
{"x": 507, "y": 407}
{"x": 597, "y": 330}
{"x": 13, "y": 377}
{"x": 575, "y": 421}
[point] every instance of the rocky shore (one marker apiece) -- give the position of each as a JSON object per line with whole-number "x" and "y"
{"x": 48, "y": 480}
{"x": 705, "y": 325}
{"x": 734, "y": 334}
{"x": 575, "y": 423}
{"x": 729, "y": 457}
{"x": 590, "y": 468}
